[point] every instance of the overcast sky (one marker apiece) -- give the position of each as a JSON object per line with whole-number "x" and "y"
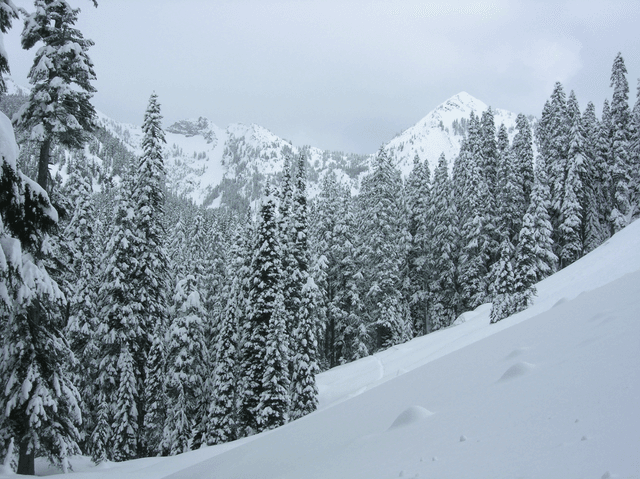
{"x": 344, "y": 75}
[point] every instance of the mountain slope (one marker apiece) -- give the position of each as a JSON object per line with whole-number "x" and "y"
{"x": 442, "y": 131}
{"x": 206, "y": 162}
{"x": 550, "y": 392}
{"x": 216, "y": 166}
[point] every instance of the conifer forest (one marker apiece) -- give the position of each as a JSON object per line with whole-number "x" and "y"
{"x": 134, "y": 323}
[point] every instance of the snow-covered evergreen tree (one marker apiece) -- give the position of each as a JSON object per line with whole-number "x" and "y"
{"x": 475, "y": 234}
{"x": 267, "y": 316}
{"x": 489, "y": 150}
{"x": 522, "y": 151}
{"x": 556, "y": 156}
{"x": 79, "y": 242}
{"x": 121, "y": 336}
{"x": 444, "y": 250}
{"x": 503, "y": 283}
{"x": 594, "y": 183}
{"x": 635, "y": 150}
{"x": 570, "y": 229}
{"x": 58, "y": 109}
{"x": 187, "y": 362}
{"x": 334, "y": 249}
{"x": 384, "y": 246}
{"x": 264, "y": 395}
{"x": 510, "y": 194}
{"x": 535, "y": 259}
{"x": 222, "y": 423}
{"x": 151, "y": 271}
{"x": 39, "y": 405}
{"x": 286, "y": 238}
{"x": 133, "y": 305}
{"x": 605, "y": 161}
{"x": 8, "y": 13}
{"x": 418, "y": 190}
{"x": 304, "y": 344}
{"x": 621, "y": 175}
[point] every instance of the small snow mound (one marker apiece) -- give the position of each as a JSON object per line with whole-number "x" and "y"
{"x": 517, "y": 352}
{"x": 606, "y": 475}
{"x": 519, "y": 369}
{"x": 411, "y": 415}
{"x": 584, "y": 438}
{"x": 463, "y": 438}
{"x": 559, "y": 302}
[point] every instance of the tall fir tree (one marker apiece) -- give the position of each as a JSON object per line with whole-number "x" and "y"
{"x": 39, "y": 404}
{"x": 510, "y": 195}
{"x": 187, "y": 361}
{"x": 383, "y": 232}
{"x": 222, "y": 424}
{"x": 79, "y": 241}
{"x": 571, "y": 228}
{"x": 335, "y": 257}
{"x": 522, "y": 151}
{"x": 151, "y": 274}
{"x": 475, "y": 233}
{"x": 264, "y": 396}
{"x": 304, "y": 344}
{"x": 59, "y": 109}
{"x": 502, "y": 282}
{"x": 121, "y": 336}
{"x": 489, "y": 150}
{"x": 556, "y": 157}
{"x": 594, "y": 183}
{"x": 621, "y": 174}
{"x": 443, "y": 259}
{"x": 635, "y": 149}
{"x": 535, "y": 257}
{"x": 605, "y": 160}
{"x": 418, "y": 191}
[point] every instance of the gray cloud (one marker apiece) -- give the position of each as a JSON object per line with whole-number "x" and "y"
{"x": 345, "y": 75}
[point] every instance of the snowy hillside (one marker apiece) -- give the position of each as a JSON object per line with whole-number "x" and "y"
{"x": 550, "y": 392}
{"x": 442, "y": 131}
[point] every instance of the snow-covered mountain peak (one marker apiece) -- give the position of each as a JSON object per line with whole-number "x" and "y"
{"x": 461, "y": 103}
{"x": 442, "y": 131}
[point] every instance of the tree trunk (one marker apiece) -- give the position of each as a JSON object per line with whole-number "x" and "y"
{"x": 43, "y": 164}
{"x": 26, "y": 460}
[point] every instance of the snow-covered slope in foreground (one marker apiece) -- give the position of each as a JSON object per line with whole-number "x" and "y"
{"x": 549, "y": 393}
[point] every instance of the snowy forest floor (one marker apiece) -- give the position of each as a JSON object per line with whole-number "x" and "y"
{"x": 551, "y": 392}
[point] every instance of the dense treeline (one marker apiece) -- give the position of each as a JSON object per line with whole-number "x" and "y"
{"x": 138, "y": 324}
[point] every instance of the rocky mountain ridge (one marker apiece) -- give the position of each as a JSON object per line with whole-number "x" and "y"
{"x": 215, "y": 166}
